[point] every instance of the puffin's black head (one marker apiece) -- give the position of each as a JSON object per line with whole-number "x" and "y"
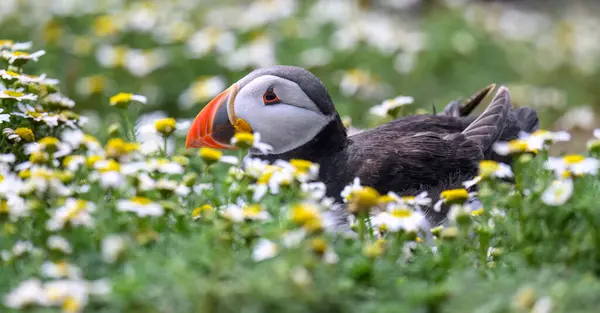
{"x": 287, "y": 105}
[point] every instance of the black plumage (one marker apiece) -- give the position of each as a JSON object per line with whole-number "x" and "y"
{"x": 411, "y": 154}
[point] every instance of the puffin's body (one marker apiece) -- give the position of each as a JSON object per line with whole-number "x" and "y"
{"x": 293, "y": 112}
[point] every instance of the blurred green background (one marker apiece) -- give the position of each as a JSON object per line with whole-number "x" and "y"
{"x": 180, "y": 53}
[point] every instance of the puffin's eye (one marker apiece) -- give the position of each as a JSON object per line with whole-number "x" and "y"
{"x": 270, "y": 97}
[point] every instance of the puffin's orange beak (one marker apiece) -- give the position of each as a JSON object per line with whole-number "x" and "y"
{"x": 213, "y": 127}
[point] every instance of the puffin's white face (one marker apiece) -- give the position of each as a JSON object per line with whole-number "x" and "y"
{"x": 276, "y": 108}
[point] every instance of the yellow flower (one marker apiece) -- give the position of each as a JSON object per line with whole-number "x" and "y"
{"x": 117, "y": 147}
{"x": 385, "y": 199}
{"x": 104, "y": 26}
{"x": 165, "y": 126}
{"x": 71, "y": 305}
{"x": 375, "y": 249}
{"x": 477, "y": 212}
{"x": 487, "y": 168}
{"x": 210, "y": 155}
{"x": 454, "y": 195}
{"x": 49, "y": 144}
{"x": 92, "y": 159}
{"x": 244, "y": 140}
{"x": 303, "y": 213}
{"x": 26, "y": 134}
{"x": 38, "y": 157}
{"x": 122, "y": 100}
{"x": 109, "y": 166}
{"x": 202, "y": 211}
{"x": 573, "y": 159}
{"x": 319, "y": 245}
{"x": 401, "y": 212}
{"x": 364, "y": 198}
{"x": 302, "y": 166}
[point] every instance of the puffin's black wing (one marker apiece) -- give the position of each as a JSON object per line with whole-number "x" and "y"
{"x": 457, "y": 109}
{"x": 488, "y": 127}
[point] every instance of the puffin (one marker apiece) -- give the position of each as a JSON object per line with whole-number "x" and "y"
{"x": 293, "y": 112}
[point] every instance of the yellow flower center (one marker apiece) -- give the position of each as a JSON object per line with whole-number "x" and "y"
{"x": 165, "y": 126}
{"x": 573, "y": 159}
{"x": 104, "y": 26}
{"x": 385, "y": 199}
{"x": 38, "y": 157}
{"x": 92, "y": 159}
{"x": 110, "y": 166}
{"x": 21, "y": 53}
{"x": 365, "y": 197}
{"x": 207, "y": 208}
{"x": 487, "y": 168}
{"x": 252, "y": 210}
{"x": 121, "y": 98}
{"x": 14, "y": 94}
{"x": 117, "y": 147}
{"x": 42, "y": 173}
{"x": 303, "y": 213}
{"x": 13, "y": 74}
{"x": 71, "y": 305}
{"x": 515, "y": 146}
{"x": 90, "y": 140}
{"x": 96, "y": 84}
{"x": 6, "y": 42}
{"x": 24, "y": 174}
{"x": 181, "y": 160}
{"x": 266, "y": 176}
{"x": 210, "y": 155}
{"x": 3, "y": 207}
{"x": 25, "y": 134}
{"x": 302, "y": 166}
{"x": 477, "y": 212}
{"x": 141, "y": 200}
{"x": 244, "y": 139}
{"x": 49, "y": 142}
{"x": 454, "y": 195}
{"x": 401, "y": 213}
{"x": 80, "y": 206}
{"x": 319, "y": 245}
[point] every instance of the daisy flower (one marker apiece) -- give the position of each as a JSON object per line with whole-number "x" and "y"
{"x": 29, "y": 292}
{"x": 247, "y": 140}
{"x": 59, "y": 243}
{"x": 21, "y": 133}
{"x": 122, "y": 100}
{"x": 58, "y": 100}
{"x": 164, "y": 166}
{"x": 20, "y": 57}
{"x": 60, "y": 270}
{"x": 263, "y": 250}
{"x": 390, "y": 107}
{"x": 75, "y": 212}
{"x": 575, "y": 164}
{"x": 558, "y": 193}
{"x": 108, "y": 173}
{"x": 488, "y": 168}
{"x": 112, "y": 247}
{"x": 210, "y": 156}
{"x": 400, "y": 218}
{"x": 4, "y": 117}
{"x": 43, "y": 180}
{"x": 15, "y": 46}
{"x": 17, "y": 95}
{"x": 141, "y": 206}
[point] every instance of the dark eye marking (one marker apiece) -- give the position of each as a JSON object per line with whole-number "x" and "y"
{"x": 270, "y": 97}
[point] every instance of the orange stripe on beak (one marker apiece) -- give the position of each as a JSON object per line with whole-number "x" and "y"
{"x": 212, "y": 128}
